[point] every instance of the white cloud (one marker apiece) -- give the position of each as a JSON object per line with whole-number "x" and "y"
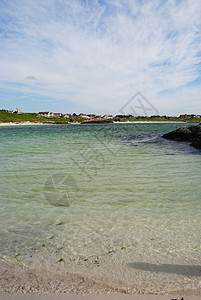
{"x": 99, "y": 54}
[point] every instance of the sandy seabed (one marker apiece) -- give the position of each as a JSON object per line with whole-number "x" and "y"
{"x": 55, "y": 296}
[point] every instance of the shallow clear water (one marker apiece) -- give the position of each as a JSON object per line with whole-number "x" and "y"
{"x": 116, "y": 203}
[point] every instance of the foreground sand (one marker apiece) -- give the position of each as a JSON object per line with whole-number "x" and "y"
{"x": 91, "y": 297}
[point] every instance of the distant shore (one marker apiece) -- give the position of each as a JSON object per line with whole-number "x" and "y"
{"x": 56, "y": 123}
{"x": 22, "y": 123}
{"x": 164, "y": 122}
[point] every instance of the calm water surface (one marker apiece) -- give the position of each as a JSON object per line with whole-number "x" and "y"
{"x": 116, "y": 203}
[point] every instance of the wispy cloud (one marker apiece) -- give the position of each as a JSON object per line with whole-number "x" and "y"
{"x": 97, "y": 54}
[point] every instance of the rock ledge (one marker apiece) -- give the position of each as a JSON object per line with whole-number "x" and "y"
{"x": 190, "y": 134}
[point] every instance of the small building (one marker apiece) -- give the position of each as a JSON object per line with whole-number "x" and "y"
{"x": 17, "y": 111}
{"x": 108, "y": 116}
{"x": 84, "y": 116}
{"x": 57, "y": 115}
{"x": 45, "y": 114}
{"x": 186, "y": 116}
{"x": 91, "y": 116}
{"x": 66, "y": 116}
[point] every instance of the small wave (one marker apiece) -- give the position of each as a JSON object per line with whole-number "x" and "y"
{"x": 141, "y": 138}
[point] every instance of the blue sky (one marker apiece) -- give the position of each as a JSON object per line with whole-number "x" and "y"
{"x": 93, "y": 56}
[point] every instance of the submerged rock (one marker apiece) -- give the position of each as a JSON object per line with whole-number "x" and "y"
{"x": 190, "y": 134}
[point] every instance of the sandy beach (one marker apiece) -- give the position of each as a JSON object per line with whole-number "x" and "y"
{"x": 92, "y": 297}
{"x": 22, "y": 124}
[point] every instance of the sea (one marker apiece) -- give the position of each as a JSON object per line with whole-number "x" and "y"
{"x": 99, "y": 208}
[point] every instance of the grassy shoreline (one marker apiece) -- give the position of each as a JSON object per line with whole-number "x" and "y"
{"x": 34, "y": 118}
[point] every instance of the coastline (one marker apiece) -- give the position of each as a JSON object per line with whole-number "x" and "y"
{"x": 23, "y": 124}
{"x": 128, "y": 122}
{"x": 152, "y": 122}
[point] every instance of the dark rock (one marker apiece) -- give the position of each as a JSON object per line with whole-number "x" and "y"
{"x": 197, "y": 142}
{"x": 190, "y": 134}
{"x": 97, "y": 122}
{"x": 181, "y": 134}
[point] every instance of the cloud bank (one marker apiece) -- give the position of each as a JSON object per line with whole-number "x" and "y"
{"x": 95, "y": 55}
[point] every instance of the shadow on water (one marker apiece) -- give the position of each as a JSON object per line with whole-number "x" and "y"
{"x": 185, "y": 270}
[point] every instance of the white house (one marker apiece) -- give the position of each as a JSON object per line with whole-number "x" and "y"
{"x": 45, "y": 114}
{"x": 57, "y": 115}
{"x": 66, "y": 115}
{"x": 84, "y": 116}
{"x": 17, "y": 111}
{"x": 108, "y": 116}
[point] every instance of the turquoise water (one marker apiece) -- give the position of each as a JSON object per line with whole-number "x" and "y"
{"x": 114, "y": 203}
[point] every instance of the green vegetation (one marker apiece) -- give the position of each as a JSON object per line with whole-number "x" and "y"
{"x": 60, "y": 260}
{"x": 159, "y": 119}
{"x": 6, "y": 117}
{"x": 193, "y": 120}
{"x": 17, "y": 255}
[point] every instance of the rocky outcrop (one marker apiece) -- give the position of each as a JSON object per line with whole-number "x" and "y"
{"x": 97, "y": 122}
{"x": 190, "y": 134}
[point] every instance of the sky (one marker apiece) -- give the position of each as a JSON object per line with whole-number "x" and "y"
{"x": 94, "y": 56}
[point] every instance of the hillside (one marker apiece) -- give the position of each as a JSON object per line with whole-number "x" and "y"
{"x": 6, "y": 117}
